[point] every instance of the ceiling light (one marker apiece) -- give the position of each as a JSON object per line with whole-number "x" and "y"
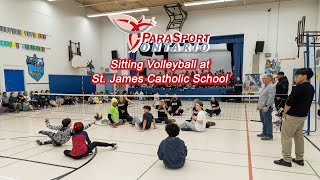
{"x": 205, "y": 2}
{"x": 118, "y": 12}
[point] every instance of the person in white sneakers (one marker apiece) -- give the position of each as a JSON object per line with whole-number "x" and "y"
{"x": 198, "y": 122}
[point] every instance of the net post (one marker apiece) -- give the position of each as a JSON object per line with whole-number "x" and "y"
{"x": 308, "y": 66}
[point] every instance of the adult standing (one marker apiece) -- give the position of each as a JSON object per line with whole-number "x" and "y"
{"x": 295, "y": 113}
{"x": 282, "y": 88}
{"x": 265, "y": 107}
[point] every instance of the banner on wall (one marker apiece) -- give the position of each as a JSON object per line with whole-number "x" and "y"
{"x": 90, "y": 68}
{"x": 35, "y": 67}
{"x": 252, "y": 83}
{"x": 272, "y": 67}
{"x": 16, "y": 45}
{"x": 22, "y": 33}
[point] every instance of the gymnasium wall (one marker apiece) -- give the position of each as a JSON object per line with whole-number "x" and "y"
{"x": 251, "y": 20}
{"x": 62, "y": 21}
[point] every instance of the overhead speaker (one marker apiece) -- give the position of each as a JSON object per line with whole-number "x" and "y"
{"x": 259, "y": 46}
{"x": 166, "y": 55}
{"x": 229, "y": 46}
{"x": 114, "y": 54}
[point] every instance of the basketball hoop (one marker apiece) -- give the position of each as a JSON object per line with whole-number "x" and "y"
{"x": 79, "y": 62}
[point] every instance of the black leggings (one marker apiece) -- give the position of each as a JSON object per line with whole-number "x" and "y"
{"x": 211, "y": 112}
{"x": 176, "y": 114}
{"x": 127, "y": 117}
{"x": 90, "y": 148}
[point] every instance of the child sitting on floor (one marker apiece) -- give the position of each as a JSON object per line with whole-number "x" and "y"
{"x": 172, "y": 150}
{"x": 113, "y": 114}
{"x": 80, "y": 148}
{"x": 62, "y": 136}
{"x": 198, "y": 122}
{"x": 147, "y": 120}
{"x": 215, "y": 108}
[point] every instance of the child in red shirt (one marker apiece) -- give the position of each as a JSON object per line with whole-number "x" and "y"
{"x": 80, "y": 148}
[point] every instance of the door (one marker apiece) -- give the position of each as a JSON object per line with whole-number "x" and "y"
{"x": 14, "y": 80}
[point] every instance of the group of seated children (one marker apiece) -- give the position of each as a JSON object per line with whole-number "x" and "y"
{"x": 172, "y": 150}
{"x": 81, "y": 144}
{"x": 24, "y": 101}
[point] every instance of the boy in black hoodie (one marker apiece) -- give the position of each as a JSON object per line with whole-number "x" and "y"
{"x": 172, "y": 150}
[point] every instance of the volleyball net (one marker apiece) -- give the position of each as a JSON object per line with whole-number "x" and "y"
{"x": 232, "y": 107}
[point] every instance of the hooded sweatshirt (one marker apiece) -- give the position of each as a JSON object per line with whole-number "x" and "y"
{"x": 173, "y": 152}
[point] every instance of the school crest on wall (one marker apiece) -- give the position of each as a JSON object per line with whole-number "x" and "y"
{"x": 35, "y": 67}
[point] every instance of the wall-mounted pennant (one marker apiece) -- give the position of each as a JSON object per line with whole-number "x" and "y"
{"x": 35, "y": 67}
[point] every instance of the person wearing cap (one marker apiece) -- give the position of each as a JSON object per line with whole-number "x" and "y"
{"x": 113, "y": 114}
{"x": 265, "y": 107}
{"x": 282, "y": 88}
{"x": 81, "y": 144}
{"x": 63, "y": 134}
{"x": 294, "y": 115}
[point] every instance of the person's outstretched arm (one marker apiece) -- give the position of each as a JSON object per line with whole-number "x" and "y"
{"x": 52, "y": 127}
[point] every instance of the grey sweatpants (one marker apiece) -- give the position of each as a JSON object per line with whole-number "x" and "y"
{"x": 136, "y": 121}
{"x": 190, "y": 125}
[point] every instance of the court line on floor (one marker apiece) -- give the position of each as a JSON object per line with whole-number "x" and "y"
{"x": 241, "y": 130}
{"x": 209, "y": 150}
{"x": 248, "y": 144}
{"x": 38, "y": 162}
{"x": 64, "y": 175}
{"x": 19, "y": 137}
{"x": 221, "y": 164}
{"x": 313, "y": 169}
{"x": 27, "y": 157}
{"x": 15, "y": 147}
{"x": 148, "y": 169}
{"x": 314, "y": 145}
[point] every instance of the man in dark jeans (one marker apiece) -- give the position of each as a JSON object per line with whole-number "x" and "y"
{"x": 294, "y": 115}
{"x": 281, "y": 92}
{"x": 265, "y": 107}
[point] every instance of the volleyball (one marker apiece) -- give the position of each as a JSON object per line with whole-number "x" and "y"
{"x": 98, "y": 116}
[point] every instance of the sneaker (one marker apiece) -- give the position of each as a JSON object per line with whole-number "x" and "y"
{"x": 260, "y": 135}
{"x": 212, "y": 123}
{"x": 300, "y": 162}
{"x": 39, "y": 142}
{"x": 186, "y": 129}
{"x": 282, "y": 162}
{"x": 114, "y": 146}
{"x": 266, "y": 138}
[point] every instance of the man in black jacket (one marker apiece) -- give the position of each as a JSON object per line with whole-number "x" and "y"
{"x": 281, "y": 92}
{"x": 295, "y": 113}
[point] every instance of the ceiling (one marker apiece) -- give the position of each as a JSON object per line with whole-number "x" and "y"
{"x": 156, "y": 6}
